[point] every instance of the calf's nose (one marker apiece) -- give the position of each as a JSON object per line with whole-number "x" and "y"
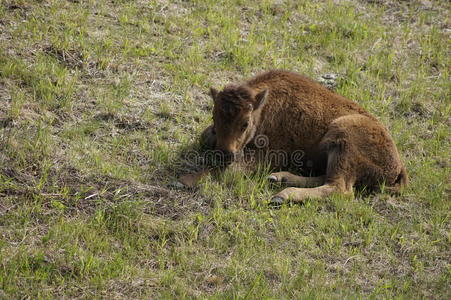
{"x": 226, "y": 156}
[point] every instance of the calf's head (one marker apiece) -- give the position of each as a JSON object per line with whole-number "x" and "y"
{"x": 236, "y": 115}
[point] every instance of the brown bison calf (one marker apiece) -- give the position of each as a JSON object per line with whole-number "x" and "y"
{"x": 339, "y": 140}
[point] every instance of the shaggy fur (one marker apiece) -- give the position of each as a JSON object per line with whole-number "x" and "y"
{"x": 342, "y": 143}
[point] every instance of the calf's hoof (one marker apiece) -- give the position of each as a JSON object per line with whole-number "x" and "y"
{"x": 280, "y": 177}
{"x": 276, "y": 202}
{"x": 272, "y": 179}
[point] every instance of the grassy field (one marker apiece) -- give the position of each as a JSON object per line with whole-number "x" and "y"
{"x": 100, "y": 100}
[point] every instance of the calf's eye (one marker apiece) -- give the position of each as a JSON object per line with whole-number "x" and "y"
{"x": 245, "y": 125}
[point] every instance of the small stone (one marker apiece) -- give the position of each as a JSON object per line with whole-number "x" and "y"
{"x": 330, "y": 76}
{"x": 329, "y": 80}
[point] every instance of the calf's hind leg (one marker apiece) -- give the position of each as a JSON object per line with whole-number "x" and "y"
{"x": 337, "y": 181}
{"x": 298, "y": 195}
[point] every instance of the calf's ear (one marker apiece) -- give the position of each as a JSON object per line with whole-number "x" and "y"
{"x": 260, "y": 99}
{"x": 213, "y": 93}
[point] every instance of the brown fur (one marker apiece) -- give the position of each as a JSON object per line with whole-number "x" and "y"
{"x": 340, "y": 139}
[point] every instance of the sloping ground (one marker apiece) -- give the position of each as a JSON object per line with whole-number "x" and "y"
{"x": 100, "y": 102}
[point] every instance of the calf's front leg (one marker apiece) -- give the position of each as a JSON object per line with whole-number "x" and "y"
{"x": 290, "y": 179}
{"x": 208, "y": 138}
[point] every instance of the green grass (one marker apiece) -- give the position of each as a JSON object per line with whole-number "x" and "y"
{"x": 100, "y": 101}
